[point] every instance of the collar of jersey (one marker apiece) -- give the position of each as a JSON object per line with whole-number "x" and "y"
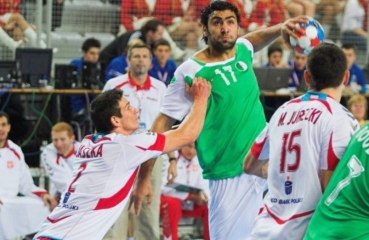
{"x": 146, "y": 86}
{"x": 319, "y": 95}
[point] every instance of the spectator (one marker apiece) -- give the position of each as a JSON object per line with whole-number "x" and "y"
{"x": 267, "y": 13}
{"x": 327, "y": 11}
{"x": 173, "y": 202}
{"x": 14, "y": 28}
{"x": 152, "y": 31}
{"x": 298, "y": 65}
{"x": 90, "y": 53}
{"x": 301, "y": 7}
{"x": 16, "y": 179}
{"x": 275, "y": 57}
{"x": 357, "y": 81}
{"x": 58, "y": 158}
{"x": 119, "y": 66}
{"x": 179, "y": 18}
{"x": 354, "y": 24}
{"x": 162, "y": 66}
{"x": 358, "y": 105}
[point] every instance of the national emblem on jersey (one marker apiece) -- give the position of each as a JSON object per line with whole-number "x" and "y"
{"x": 9, "y": 164}
{"x": 241, "y": 66}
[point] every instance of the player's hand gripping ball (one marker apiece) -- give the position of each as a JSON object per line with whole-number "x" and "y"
{"x": 312, "y": 34}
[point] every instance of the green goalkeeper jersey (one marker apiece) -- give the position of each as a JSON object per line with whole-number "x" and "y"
{"x": 234, "y": 116}
{"x": 343, "y": 211}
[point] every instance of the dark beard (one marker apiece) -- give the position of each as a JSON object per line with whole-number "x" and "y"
{"x": 220, "y": 47}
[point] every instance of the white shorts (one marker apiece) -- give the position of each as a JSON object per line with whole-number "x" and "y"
{"x": 266, "y": 227}
{"x": 234, "y": 204}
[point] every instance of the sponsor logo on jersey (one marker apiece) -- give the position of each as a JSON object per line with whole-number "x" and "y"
{"x": 286, "y": 200}
{"x": 288, "y": 187}
{"x": 64, "y": 202}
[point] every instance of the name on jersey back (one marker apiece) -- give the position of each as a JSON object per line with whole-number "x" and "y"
{"x": 309, "y": 114}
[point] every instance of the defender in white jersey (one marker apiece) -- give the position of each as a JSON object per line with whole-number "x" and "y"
{"x": 59, "y": 156}
{"x": 234, "y": 118}
{"x": 304, "y": 141}
{"x": 109, "y": 162}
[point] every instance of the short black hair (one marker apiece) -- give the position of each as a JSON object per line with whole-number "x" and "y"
{"x": 327, "y": 65}
{"x": 103, "y": 107}
{"x": 217, "y": 6}
{"x": 151, "y": 25}
{"x": 90, "y": 43}
{"x": 274, "y": 48}
{"x": 160, "y": 42}
{"x": 349, "y": 46}
{"x": 5, "y": 115}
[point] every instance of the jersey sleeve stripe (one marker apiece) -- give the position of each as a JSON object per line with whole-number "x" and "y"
{"x": 39, "y": 193}
{"x": 332, "y": 159}
{"x": 159, "y": 143}
{"x": 15, "y": 153}
{"x": 257, "y": 148}
{"x": 119, "y": 86}
{"x": 118, "y": 197}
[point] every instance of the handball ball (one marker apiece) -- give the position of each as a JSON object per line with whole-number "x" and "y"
{"x": 312, "y": 35}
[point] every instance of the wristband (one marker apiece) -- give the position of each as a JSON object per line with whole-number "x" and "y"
{"x": 172, "y": 159}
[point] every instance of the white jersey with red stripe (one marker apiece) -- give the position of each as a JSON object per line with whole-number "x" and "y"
{"x": 147, "y": 99}
{"x": 58, "y": 168}
{"x": 101, "y": 186}
{"x": 304, "y": 136}
{"x": 15, "y": 176}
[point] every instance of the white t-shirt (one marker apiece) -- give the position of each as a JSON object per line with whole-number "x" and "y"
{"x": 304, "y": 136}
{"x": 58, "y": 168}
{"x": 15, "y": 176}
{"x": 147, "y": 99}
{"x": 188, "y": 173}
{"x": 101, "y": 186}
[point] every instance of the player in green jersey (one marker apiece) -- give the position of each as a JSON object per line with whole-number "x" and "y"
{"x": 234, "y": 117}
{"x": 343, "y": 211}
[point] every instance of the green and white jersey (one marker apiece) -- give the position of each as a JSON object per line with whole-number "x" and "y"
{"x": 343, "y": 211}
{"x": 234, "y": 116}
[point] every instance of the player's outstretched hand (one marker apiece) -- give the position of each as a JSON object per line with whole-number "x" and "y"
{"x": 143, "y": 190}
{"x": 200, "y": 89}
{"x": 49, "y": 201}
{"x": 290, "y": 27}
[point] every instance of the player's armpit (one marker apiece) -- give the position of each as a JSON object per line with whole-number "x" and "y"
{"x": 325, "y": 176}
{"x": 256, "y": 167}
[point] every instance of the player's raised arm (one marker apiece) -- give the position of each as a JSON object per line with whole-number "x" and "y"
{"x": 264, "y": 37}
